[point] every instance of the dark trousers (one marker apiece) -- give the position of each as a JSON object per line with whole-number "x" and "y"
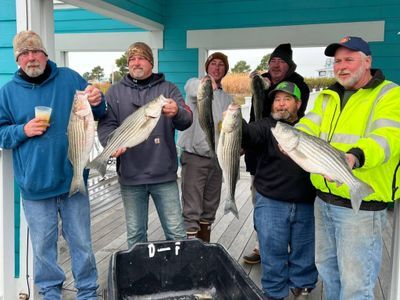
{"x": 201, "y": 189}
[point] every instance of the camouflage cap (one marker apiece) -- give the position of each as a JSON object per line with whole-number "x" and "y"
{"x": 287, "y": 87}
{"x": 27, "y": 41}
{"x": 140, "y": 49}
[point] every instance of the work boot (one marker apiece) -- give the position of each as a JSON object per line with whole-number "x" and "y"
{"x": 297, "y": 292}
{"x": 205, "y": 231}
{"x": 191, "y": 233}
{"x": 253, "y": 258}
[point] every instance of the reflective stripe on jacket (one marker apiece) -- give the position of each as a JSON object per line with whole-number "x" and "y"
{"x": 370, "y": 120}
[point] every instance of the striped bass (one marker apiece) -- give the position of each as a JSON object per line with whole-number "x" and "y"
{"x": 315, "y": 155}
{"x": 258, "y": 87}
{"x": 229, "y": 146}
{"x": 135, "y": 129}
{"x": 81, "y": 131}
{"x": 205, "y": 97}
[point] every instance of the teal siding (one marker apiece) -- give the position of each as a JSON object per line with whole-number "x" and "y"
{"x": 83, "y": 21}
{"x": 183, "y": 15}
{"x": 152, "y": 10}
{"x": 8, "y": 30}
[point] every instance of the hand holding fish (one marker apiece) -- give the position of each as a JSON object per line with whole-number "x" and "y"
{"x": 94, "y": 95}
{"x": 257, "y": 73}
{"x": 351, "y": 161}
{"x": 119, "y": 152}
{"x": 35, "y": 127}
{"x": 170, "y": 108}
{"x": 254, "y": 73}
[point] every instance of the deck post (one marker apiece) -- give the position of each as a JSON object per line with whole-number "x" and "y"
{"x": 7, "y": 251}
{"x": 395, "y": 255}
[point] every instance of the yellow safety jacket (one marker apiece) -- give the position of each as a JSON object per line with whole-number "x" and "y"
{"x": 370, "y": 121}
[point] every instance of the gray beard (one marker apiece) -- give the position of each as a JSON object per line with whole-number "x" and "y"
{"x": 281, "y": 115}
{"x": 35, "y": 72}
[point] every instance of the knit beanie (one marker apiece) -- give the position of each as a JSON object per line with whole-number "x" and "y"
{"x": 27, "y": 41}
{"x": 140, "y": 49}
{"x": 283, "y": 51}
{"x": 222, "y": 57}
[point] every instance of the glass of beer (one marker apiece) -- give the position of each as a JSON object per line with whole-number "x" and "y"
{"x": 43, "y": 113}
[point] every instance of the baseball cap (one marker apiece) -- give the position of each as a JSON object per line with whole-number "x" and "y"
{"x": 287, "y": 87}
{"x": 350, "y": 42}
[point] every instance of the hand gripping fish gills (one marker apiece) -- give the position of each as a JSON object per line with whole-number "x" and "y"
{"x": 135, "y": 129}
{"x": 315, "y": 155}
{"x": 228, "y": 153}
{"x": 81, "y": 131}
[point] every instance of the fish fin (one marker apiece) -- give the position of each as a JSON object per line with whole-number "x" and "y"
{"x": 358, "y": 193}
{"x": 77, "y": 185}
{"x": 98, "y": 164}
{"x": 230, "y": 206}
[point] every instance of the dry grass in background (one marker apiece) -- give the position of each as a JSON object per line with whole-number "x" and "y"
{"x": 238, "y": 85}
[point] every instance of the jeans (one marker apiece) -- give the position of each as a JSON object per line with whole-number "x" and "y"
{"x": 136, "y": 205}
{"x": 348, "y": 250}
{"x": 285, "y": 232}
{"x": 42, "y": 219}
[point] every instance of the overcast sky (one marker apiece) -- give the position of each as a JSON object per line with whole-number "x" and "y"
{"x": 308, "y": 60}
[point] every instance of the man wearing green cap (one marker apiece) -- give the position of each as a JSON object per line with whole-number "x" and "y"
{"x": 283, "y": 211}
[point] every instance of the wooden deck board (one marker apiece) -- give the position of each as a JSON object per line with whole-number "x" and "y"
{"x": 236, "y": 235}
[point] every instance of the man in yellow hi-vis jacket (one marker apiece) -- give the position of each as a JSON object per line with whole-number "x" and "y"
{"x": 360, "y": 115}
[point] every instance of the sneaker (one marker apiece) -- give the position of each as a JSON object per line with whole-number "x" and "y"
{"x": 191, "y": 233}
{"x": 253, "y": 258}
{"x": 301, "y": 291}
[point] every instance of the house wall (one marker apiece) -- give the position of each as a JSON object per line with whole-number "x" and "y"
{"x": 7, "y": 32}
{"x": 180, "y": 63}
{"x": 83, "y": 21}
{"x": 153, "y": 9}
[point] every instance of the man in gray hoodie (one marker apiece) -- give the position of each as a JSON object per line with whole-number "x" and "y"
{"x": 150, "y": 167}
{"x": 201, "y": 175}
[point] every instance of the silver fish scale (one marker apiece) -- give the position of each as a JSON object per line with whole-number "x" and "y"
{"x": 205, "y": 115}
{"x": 135, "y": 129}
{"x": 229, "y": 156}
{"x": 325, "y": 156}
{"x": 81, "y": 131}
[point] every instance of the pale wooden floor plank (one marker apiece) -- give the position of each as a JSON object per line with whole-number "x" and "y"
{"x": 236, "y": 235}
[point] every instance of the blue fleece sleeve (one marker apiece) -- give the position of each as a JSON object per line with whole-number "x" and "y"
{"x": 11, "y": 136}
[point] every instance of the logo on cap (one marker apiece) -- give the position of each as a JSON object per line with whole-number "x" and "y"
{"x": 344, "y": 40}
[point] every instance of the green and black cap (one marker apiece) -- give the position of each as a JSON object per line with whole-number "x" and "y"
{"x": 287, "y": 87}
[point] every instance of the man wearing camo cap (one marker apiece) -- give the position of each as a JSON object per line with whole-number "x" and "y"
{"x": 41, "y": 165}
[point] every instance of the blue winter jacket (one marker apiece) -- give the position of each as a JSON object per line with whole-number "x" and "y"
{"x": 41, "y": 166}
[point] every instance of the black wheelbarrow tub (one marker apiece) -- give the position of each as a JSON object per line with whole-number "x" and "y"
{"x": 188, "y": 269}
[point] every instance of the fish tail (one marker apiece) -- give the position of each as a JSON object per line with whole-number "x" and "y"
{"x": 98, "y": 164}
{"x": 77, "y": 185}
{"x": 230, "y": 206}
{"x": 358, "y": 193}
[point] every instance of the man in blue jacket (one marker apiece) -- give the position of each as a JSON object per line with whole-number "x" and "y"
{"x": 150, "y": 167}
{"x": 41, "y": 165}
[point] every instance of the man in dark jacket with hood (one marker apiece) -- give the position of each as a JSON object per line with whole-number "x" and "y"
{"x": 281, "y": 67}
{"x": 284, "y": 206}
{"x": 150, "y": 167}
